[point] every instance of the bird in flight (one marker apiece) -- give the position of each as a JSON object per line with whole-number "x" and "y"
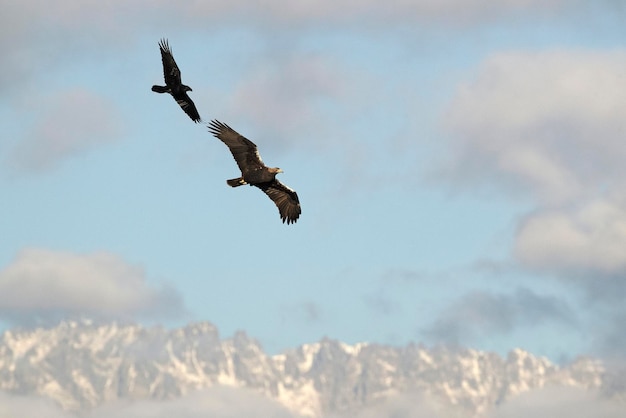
{"x": 255, "y": 173}
{"x": 173, "y": 83}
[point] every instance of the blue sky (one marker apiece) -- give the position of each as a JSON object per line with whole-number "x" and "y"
{"x": 459, "y": 165}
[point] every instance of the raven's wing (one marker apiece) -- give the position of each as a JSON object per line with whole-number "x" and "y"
{"x": 286, "y": 200}
{"x": 244, "y": 151}
{"x": 188, "y": 106}
{"x": 170, "y": 69}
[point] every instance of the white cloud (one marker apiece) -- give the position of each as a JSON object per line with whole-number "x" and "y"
{"x": 15, "y": 406}
{"x": 550, "y": 402}
{"x": 550, "y": 126}
{"x": 406, "y": 405}
{"x": 550, "y": 123}
{"x": 217, "y": 402}
{"x": 44, "y": 283}
{"x": 66, "y": 124}
{"x": 226, "y": 402}
{"x": 589, "y": 238}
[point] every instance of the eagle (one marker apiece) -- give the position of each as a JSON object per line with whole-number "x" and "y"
{"x": 173, "y": 83}
{"x": 255, "y": 173}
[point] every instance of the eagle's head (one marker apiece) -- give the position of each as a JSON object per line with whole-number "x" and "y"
{"x": 276, "y": 170}
{"x": 187, "y": 88}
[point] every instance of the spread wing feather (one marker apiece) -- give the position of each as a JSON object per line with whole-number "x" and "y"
{"x": 286, "y": 200}
{"x": 244, "y": 151}
{"x": 185, "y": 102}
{"x": 170, "y": 69}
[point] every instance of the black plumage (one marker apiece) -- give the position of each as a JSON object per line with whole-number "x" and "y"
{"x": 255, "y": 173}
{"x": 173, "y": 83}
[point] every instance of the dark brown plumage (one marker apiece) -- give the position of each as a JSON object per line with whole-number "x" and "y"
{"x": 173, "y": 83}
{"x": 255, "y": 173}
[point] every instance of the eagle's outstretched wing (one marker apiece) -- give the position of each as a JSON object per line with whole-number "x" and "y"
{"x": 286, "y": 200}
{"x": 244, "y": 151}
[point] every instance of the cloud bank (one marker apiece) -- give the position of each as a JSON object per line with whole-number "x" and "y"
{"x": 217, "y": 402}
{"x": 549, "y": 127}
{"x": 225, "y": 402}
{"x": 14, "y": 406}
{"x": 552, "y": 401}
{"x": 43, "y": 284}
{"x": 547, "y": 123}
{"x": 588, "y": 238}
{"x": 481, "y": 314}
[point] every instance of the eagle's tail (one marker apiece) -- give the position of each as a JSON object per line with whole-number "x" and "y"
{"x": 236, "y": 182}
{"x": 160, "y": 89}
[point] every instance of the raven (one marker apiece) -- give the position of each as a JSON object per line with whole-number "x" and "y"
{"x": 173, "y": 84}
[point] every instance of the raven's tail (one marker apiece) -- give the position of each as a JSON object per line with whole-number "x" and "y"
{"x": 160, "y": 89}
{"x": 236, "y": 182}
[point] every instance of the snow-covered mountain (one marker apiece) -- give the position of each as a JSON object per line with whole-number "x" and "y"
{"x": 81, "y": 365}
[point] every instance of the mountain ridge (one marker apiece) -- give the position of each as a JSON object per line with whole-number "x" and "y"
{"x": 82, "y": 364}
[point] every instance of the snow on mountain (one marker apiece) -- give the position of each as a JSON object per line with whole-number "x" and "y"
{"x": 81, "y": 365}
